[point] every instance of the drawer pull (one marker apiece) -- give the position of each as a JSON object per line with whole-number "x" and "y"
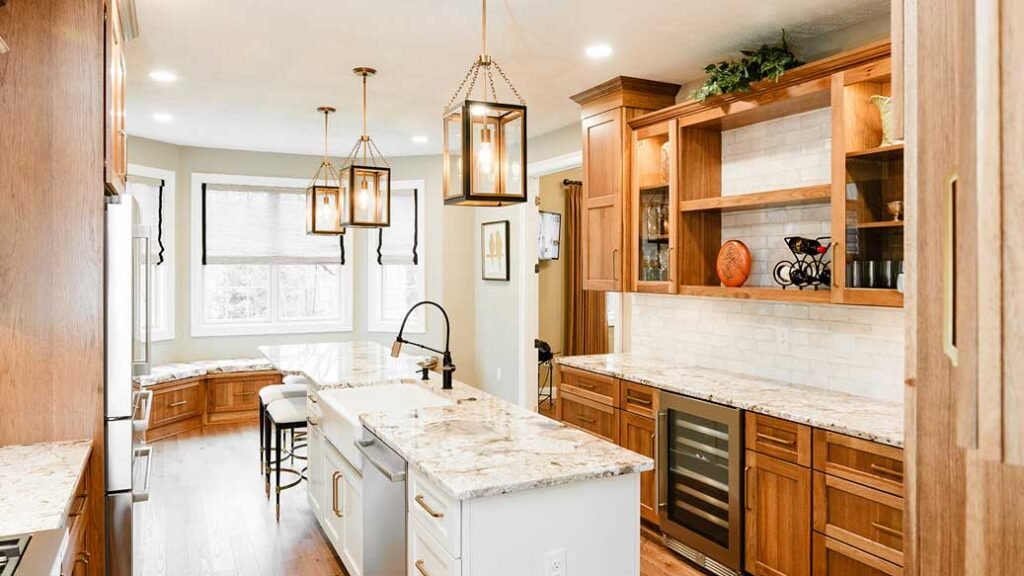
{"x": 245, "y": 393}
{"x": 887, "y": 471}
{"x": 421, "y": 568}
{"x": 83, "y": 498}
{"x": 776, "y": 439}
{"x": 423, "y": 504}
{"x": 887, "y": 530}
{"x": 176, "y": 404}
{"x": 746, "y": 487}
{"x": 586, "y": 420}
{"x": 640, "y": 401}
{"x": 312, "y": 398}
{"x": 584, "y": 385}
{"x": 334, "y": 494}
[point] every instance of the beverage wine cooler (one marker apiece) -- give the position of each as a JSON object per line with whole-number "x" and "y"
{"x": 700, "y": 452}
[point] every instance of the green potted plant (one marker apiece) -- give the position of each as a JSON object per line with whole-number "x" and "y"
{"x": 769, "y": 62}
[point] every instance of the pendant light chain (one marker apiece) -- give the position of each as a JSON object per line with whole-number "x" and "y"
{"x": 365, "y": 148}
{"x": 483, "y": 61}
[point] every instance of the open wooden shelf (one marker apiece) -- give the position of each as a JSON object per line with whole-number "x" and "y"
{"x": 882, "y": 224}
{"x": 758, "y": 293}
{"x": 774, "y": 198}
{"x": 880, "y": 151}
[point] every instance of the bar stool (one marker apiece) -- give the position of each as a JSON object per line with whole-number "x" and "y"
{"x": 283, "y": 415}
{"x": 293, "y": 387}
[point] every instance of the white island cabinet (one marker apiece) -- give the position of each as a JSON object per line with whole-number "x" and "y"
{"x": 490, "y": 489}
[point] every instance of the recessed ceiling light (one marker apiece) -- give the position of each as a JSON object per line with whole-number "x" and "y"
{"x": 420, "y": 139}
{"x": 163, "y": 76}
{"x": 162, "y": 117}
{"x": 598, "y": 51}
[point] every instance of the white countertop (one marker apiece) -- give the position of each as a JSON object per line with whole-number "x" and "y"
{"x": 869, "y": 418}
{"x": 478, "y": 446}
{"x": 37, "y": 483}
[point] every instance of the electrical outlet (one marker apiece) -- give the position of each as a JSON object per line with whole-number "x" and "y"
{"x": 554, "y": 563}
{"x": 498, "y": 374}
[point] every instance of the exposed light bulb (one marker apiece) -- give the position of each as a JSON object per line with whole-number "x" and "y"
{"x": 363, "y": 196}
{"x": 485, "y": 154}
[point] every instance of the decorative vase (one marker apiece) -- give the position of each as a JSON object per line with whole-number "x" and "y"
{"x": 884, "y": 105}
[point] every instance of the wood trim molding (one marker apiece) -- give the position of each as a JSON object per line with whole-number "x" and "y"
{"x": 621, "y": 84}
{"x": 808, "y": 72}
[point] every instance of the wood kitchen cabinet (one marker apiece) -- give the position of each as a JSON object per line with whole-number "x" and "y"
{"x": 638, "y": 434}
{"x": 777, "y": 496}
{"x": 115, "y": 141}
{"x": 78, "y": 557}
{"x": 607, "y": 165}
{"x": 234, "y": 397}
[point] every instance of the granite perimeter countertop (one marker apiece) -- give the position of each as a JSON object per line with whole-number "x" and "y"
{"x": 478, "y": 446}
{"x": 37, "y": 483}
{"x": 869, "y": 418}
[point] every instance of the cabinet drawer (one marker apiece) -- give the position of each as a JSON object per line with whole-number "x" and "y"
{"x": 597, "y": 387}
{"x": 437, "y": 513}
{"x": 598, "y": 419}
{"x": 638, "y": 399}
{"x": 833, "y": 558}
{"x": 426, "y": 556}
{"x": 862, "y": 517}
{"x": 861, "y": 461}
{"x": 176, "y": 403}
{"x": 782, "y": 439}
{"x": 233, "y": 395}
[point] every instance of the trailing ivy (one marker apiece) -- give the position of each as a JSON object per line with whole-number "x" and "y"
{"x": 769, "y": 61}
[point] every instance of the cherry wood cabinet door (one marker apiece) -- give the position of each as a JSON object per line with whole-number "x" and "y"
{"x": 637, "y": 433}
{"x": 603, "y": 196}
{"x": 778, "y": 517}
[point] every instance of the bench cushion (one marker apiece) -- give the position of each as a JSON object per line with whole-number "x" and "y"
{"x": 235, "y": 365}
{"x": 169, "y": 373}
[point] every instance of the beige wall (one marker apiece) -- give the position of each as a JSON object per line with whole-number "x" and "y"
{"x": 448, "y": 258}
{"x": 552, "y": 272}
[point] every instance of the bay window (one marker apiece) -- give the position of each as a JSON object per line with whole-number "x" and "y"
{"x": 396, "y": 277}
{"x": 153, "y": 190}
{"x": 254, "y": 268}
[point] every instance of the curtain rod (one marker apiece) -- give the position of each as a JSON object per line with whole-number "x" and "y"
{"x": 568, "y": 182}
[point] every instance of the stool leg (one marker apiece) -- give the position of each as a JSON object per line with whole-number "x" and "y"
{"x": 278, "y": 472}
{"x": 262, "y": 416}
{"x": 266, "y": 456}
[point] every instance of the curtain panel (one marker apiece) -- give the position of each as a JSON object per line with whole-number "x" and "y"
{"x": 586, "y": 317}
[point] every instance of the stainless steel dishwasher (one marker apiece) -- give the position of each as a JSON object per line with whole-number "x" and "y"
{"x": 384, "y": 515}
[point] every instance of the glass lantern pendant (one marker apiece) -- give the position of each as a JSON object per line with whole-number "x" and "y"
{"x": 365, "y": 179}
{"x": 323, "y": 195}
{"x": 484, "y": 140}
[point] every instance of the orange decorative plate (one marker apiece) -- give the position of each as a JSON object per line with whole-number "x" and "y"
{"x": 733, "y": 263}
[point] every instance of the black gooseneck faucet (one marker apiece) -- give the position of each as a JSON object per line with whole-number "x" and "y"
{"x": 447, "y": 366}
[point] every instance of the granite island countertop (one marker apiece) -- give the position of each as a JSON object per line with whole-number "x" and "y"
{"x": 868, "y": 418}
{"x": 37, "y": 483}
{"x": 478, "y": 446}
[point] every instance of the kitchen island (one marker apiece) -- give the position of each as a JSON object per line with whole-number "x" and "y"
{"x": 493, "y": 489}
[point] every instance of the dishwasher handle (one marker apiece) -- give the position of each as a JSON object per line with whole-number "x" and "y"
{"x": 376, "y": 454}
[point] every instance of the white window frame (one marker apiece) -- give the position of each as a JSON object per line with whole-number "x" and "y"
{"x": 374, "y": 271}
{"x": 199, "y": 327}
{"x": 166, "y": 288}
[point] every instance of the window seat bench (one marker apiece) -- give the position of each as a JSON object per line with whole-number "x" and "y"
{"x": 191, "y": 395}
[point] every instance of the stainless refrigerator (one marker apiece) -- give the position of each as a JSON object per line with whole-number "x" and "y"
{"x": 126, "y": 414}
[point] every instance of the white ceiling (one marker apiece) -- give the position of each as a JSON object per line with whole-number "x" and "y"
{"x": 252, "y": 72}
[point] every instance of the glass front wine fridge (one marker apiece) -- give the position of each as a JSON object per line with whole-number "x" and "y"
{"x": 700, "y": 452}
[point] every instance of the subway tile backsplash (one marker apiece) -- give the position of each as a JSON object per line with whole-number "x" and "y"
{"x": 853, "y": 349}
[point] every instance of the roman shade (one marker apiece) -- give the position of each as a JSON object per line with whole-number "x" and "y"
{"x": 149, "y": 193}
{"x": 261, "y": 225}
{"x": 397, "y": 244}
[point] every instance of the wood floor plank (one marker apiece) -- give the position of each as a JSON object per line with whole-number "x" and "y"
{"x": 208, "y": 515}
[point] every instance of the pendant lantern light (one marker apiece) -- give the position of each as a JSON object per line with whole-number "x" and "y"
{"x": 323, "y": 195}
{"x": 484, "y": 140}
{"x": 365, "y": 178}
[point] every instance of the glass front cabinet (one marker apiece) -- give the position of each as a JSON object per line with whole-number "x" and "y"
{"x": 654, "y": 209}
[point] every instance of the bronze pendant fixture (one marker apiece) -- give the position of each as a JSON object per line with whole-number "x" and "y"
{"x": 323, "y": 196}
{"x": 484, "y": 140}
{"x": 366, "y": 178}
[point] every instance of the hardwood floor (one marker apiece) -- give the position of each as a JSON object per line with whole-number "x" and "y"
{"x": 208, "y": 516}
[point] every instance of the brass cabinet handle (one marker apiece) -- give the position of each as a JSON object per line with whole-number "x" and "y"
{"x": 421, "y": 568}
{"x": 887, "y": 530}
{"x": 615, "y": 269}
{"x": 888, "y": 471}
{"x": 83, "y": 498}
{"x": 334, "y": 494}
{"x": 245, "y": 393}
{"x": 640, "y": 401}
{"x": 423, "y": 504}
{"x": 776, "y": 439}
{"x": 746, "y": 487}
{"x": 587, "y": 420}
{"x": 583, "y": 385}
{"x": 312, "y": 398}
{"x": 835, "y": 279}
{"x": 176, "y": 404}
